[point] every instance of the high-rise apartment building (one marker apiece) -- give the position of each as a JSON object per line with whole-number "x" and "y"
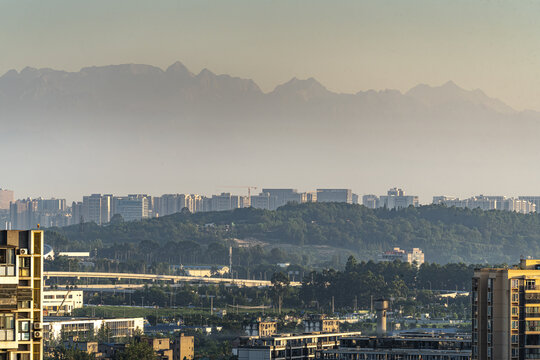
{"x": 506, "y": 312}
{"x": 133, "y": 207}
{"x": 97, "y": 208}
{"x": 21, "y": 290}
{"x": 335, "y": 195}
{"x": 77, "y": 212}
{"x": 533, "y": 199}
{"x": 6, "y": 197}
{"x": 221, "y": 202}
{"x": 284, "y": 196}
{"x": 263, "y": 201}
{"x": 370, "y": 201}
{"x": 396, "y": 199}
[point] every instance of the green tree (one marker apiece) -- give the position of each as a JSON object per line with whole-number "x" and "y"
{"x": 104, "y": 334}
{"x": 61, "y": 353}
{"x": 136, "y": 350}
{"x": 280, "y": 285}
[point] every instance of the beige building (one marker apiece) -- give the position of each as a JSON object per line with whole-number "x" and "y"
{"x": 183, "y": 347}
{"x": 415, "y": 255}
{"x": 316, "y": 323}
{"x": 506, "y": 312}
{"x": 290, "y": 346}
{"x": 259, "y": 327}
{"x": 61, "y": 302}
{"x": 56, "y": 327}
{"x": 162, "y": 347}
{"x": 21, "y": 288}
{"x": 6, "y": 197}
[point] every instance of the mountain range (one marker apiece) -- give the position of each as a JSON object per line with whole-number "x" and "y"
{"x": 118, "y": 117}
{"x": 134, "y": 87}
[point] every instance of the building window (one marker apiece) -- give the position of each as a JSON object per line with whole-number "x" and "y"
{"x": 24, "y": 304}
{"x": 7, "y": 262}
{"x": 515, "y": 339}
{"x": 7, "y": 328}
{"x": 515, "y": 352}
{"x": 515, "y": 283}
{"x": 24, "y": 330}
{"x": 24, "y": 266}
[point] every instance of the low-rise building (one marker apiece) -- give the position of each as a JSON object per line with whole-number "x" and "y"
{"x": 260, "y": 327}
{"x": 289, "y": 346}
{"x": 61, "y": 302}
{"x": 161, "y": 346}
{"x": 415, "y": 255}
{"x": 183, "y": 347}
{"x": 89, "y": 347}
{"x": 316, "y": 323}
{"x": 413, "y": 346}
{"x": 56, "y": 327}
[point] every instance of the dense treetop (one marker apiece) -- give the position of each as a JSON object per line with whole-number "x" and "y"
{"x": 444, "y": 234}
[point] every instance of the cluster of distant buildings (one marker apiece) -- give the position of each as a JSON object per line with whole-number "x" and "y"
{"x": 523, "y": 204}
{"x": 414, "y": 256}
{"x": 101, "y": 208}
{"x": 322, "y": 339}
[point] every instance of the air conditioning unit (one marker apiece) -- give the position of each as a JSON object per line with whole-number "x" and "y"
{"x": 23, "y": 251}
{"x": 38, "y": 326}
{"x": 38, "y": 335}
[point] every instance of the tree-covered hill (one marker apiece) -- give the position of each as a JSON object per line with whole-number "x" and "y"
{"x": 445, "y": 234}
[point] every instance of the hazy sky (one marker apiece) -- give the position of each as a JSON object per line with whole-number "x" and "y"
{"x": 347, "y": 45}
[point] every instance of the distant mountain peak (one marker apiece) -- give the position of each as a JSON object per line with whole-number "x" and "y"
{"x": 178, "y": 68}
{"x": 305, "y": 89}
{"x": 205, "y": 72}
{"x": 451, "y": 93}
{"x": 10, "y": 73}
{"x": 451, "y": 84}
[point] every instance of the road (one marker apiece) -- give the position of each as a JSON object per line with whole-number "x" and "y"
{"x": 153, "y": 277}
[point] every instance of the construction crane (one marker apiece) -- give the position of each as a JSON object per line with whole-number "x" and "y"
{"x": 244, "y": 187}
{"x": 62, "y": 303}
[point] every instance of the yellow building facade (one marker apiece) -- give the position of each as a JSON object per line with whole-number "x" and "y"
{"x": 506, "y": 312}
{"x": 21, "y": 292}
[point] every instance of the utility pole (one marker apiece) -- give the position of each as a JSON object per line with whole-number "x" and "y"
{"x": 212, "y": 305}
{"x": 332, "y": 304}
{"x": 230, "y": 262}
{"x": 355, "y": 303}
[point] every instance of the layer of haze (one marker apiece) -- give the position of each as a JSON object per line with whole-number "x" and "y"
{"x": 347, "y": 45}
